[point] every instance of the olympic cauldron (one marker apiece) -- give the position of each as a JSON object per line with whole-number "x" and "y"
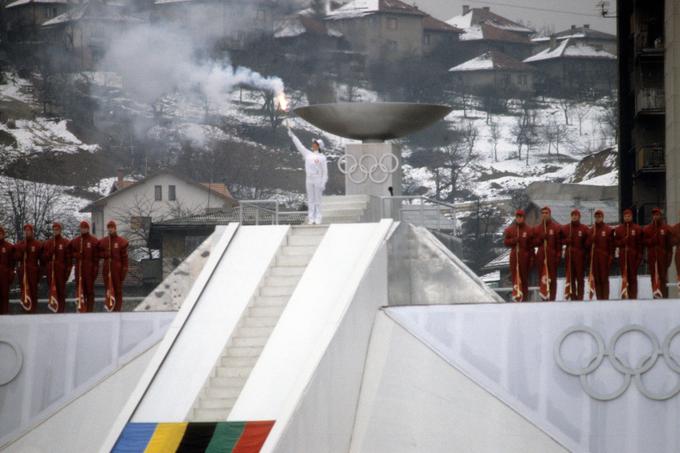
{"x": 374, "y": 166}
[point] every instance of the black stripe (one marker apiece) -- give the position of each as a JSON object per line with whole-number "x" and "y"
{"x": 196, "y": 437}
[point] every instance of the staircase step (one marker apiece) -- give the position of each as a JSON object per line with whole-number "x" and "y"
{"x": 345, "y": 199}
{"x": 214, "y": 393}
{"x": 269, "y": 291}
{"x": 309, "y": 230}
{"x": 249, "y": 341}
{"x": 287, "y": 271}
{"x": 305, "y": 240}
{"x": 299, "y": 250}
{"x": 281, "y": 281}
{"x": 222, "y": 404}
{"x": 236, "y": 351}
{"x": 254, "y": 332}
{"x": 228, "y": 382}
{"x": 270, "y": 301}
{"x": 233, "y": 371}
{"x": 292, "y": 260}
{"x": 265, "y": 312}
{"x": 209, "y": 415}
{"x": 268, "y": 322}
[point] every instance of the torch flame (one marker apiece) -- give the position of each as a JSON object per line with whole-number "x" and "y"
{"x": 282, "y": 102}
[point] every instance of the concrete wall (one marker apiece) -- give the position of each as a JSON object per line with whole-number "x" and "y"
{"x": 205, "y": 333}
{"x": 412, "y": 400}
{"x": 82, "y": 425}
{"x": 423, "y": 272}
{"x": 64, "y": 357}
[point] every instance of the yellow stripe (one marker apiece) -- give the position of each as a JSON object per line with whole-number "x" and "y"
{"x": 166, "y": 438}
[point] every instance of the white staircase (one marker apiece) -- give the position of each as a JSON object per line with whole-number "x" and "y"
{"x": 231, "y": 372}
{"x": 344, "y": 208}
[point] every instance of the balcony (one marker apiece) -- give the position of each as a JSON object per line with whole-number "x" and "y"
{"x": 650, "y": 101}
{"x": 650, "y": 159}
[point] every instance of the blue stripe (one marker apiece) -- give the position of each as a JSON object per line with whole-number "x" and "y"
{"x": 134, "y": 438}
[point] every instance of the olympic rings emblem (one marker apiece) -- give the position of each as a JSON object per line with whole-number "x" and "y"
{"x": 630, "y": 373}
{"x": 368, "y": 167}
{"x": 9, "y": 371}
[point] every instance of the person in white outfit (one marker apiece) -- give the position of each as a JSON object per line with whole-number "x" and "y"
{"x": 316, "y": 169}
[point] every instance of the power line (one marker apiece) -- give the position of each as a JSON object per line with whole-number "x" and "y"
{"x": 535, "y": 8}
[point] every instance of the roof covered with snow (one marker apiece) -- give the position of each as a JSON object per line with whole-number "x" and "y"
{"x": 584, "y": 32}
{"x": 435, "y": 25}
{"x": 492, "y": 61}
{"x": 298, "y": 25}
{"x": 570, "y": 48}
{"x": 361, "y": 8}
{"x": 93, "y": 10}
{"x": 476, "y": 17}
{"x": 29, "y": 2}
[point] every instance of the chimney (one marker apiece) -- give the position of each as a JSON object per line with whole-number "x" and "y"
{"x": 553, "y": 41}
{"x": 120, "y": 173}
{"x": 573, "y": 27}
{"x": 586, "y": 26}
{"x": 486, "y": 9}
{"x": 466, "y": 9}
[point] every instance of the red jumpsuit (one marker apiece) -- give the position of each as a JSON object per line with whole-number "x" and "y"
{"x": 675, "y": 229}
{"x": 548, "y": 235}
{"x": 28, "y": 254}
{"x": 114, "y": 251}
{"x": 6, "y": 274}
{"x": 628, "y": 239}
{"x": 520, "y": 240}
{"x": 602, "y": 255}
{"x": 659, "y": 242}
{"x": 574, "y": 236}
{"x": 58, "y": 262}
{"x": 85, "y": 251}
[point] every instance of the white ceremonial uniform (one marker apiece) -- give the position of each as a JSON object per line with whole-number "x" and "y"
{"x": 316, "y": 169}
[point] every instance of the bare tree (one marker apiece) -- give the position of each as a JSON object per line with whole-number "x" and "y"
{"x": 494, "y": 137}
{"x": 581, "y": 114}
{"x": 525, "y": 130}
{"x": 23, "y": 202}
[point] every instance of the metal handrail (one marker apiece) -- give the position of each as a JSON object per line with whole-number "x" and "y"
{"x": 423, "y": 201}
{"x": 275, "y": 212}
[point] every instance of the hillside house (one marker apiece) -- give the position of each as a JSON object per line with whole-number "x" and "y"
{"x": 231, "y": 23}
{"x": 438, "y": 35}
{"x": 160, "y": 196}
{"x": 484, "y": 30}
{"x": 571, "y": 65}
{"x": 23, "y": 18}
{"x": 584, "y": 35}
{"x": 299, "y": 33}
{"x": 381, "y": 29}
{"x": 86, "y": 30}
{"x": 494, "y": 71}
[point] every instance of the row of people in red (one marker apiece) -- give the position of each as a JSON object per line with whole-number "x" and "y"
{"x": 55, "y": 258}
{"x": 591, "y": 249}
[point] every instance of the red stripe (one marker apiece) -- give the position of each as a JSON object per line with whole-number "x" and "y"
{"x": 253, "y": 437}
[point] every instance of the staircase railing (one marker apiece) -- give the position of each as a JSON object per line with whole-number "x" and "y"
{"x": 415, "y": 209}
{"x": 267, "y": 212}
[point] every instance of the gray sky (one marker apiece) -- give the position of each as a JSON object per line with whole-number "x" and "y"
{"x": 586, "y": 12}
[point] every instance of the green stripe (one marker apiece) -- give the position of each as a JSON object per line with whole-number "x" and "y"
{"x": 226, "y": 437}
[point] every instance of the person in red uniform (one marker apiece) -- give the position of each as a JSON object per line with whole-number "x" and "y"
{"x": 518, "y": 237}
{"x": 28, "y": 254}
{"x": 574, "y": 236}
{"x": 628, "y": 241}
{"x": 601, "y": 246}
{"x": 675, "y": 229}
{"x": 113, "y": 249}
{"x": 85, "y": 251}
{"x": 58, "y": 263}
{"x": 6, "y": 271}
{"x": 547, "y": 239}
{"x": 658, "y": 239}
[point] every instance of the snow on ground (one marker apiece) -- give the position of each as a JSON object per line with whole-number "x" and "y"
{"x": 16, "y": 89}
{"x": 488, "y": 178}
{"x": 43, "y": 134}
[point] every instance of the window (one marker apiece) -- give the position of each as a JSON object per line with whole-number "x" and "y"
{"x": 260, "y": 15}
{"x": 523, "y": 80}
{"x": 172, "y": 193}
{"x": 392, "y": 23}
{"x": 426, "y": 39}
{"x": 158, "y": 193}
